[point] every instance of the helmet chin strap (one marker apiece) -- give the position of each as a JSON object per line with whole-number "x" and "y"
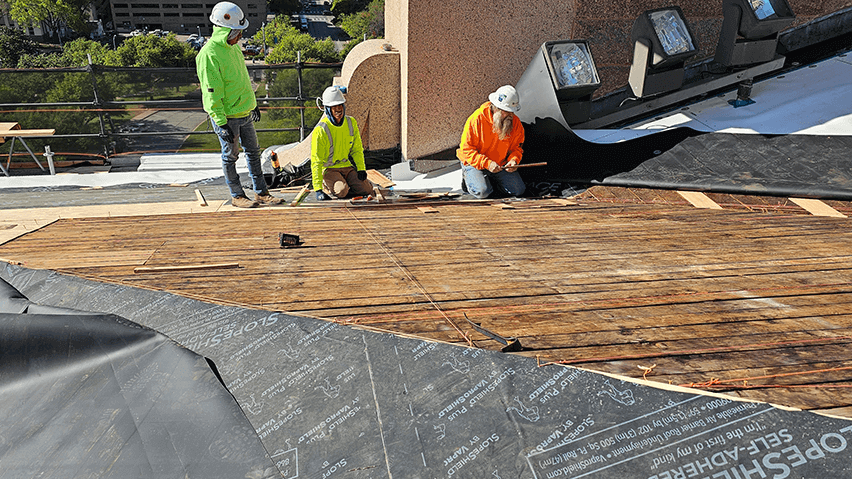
{"x": 331, "y": 117}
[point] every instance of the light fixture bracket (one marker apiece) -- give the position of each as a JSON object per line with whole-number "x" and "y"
{"x": 658, "y": 67}
{"x": 746, "y": 39}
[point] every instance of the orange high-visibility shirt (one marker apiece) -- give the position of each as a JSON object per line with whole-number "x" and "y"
{"x": 480, "y": 144}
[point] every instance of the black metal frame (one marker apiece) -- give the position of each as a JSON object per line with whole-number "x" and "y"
{"x": 95, "y": 70}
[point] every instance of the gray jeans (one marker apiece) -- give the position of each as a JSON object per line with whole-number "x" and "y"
{"x": 245, "y": 136}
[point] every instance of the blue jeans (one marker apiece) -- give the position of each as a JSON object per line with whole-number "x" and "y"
{"x": 244, "y": 133}
{"x": 479, "y": 182}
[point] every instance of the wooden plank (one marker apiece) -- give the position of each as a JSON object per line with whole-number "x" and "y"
{"x": 379, "y": 179}
{"x": 699, "y": 200}
{"x": 817, "y": 207}
{"x": 91, "y": 259}
{"x": 189, "y": 267}
{"x": 28, "y": 133}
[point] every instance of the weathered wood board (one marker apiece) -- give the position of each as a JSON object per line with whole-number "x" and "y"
{"x": 751, "y": 300}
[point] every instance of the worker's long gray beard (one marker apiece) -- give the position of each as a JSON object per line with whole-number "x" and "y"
{"x": 503, "y": 127}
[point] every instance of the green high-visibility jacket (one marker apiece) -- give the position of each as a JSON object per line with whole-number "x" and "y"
{"x": 225, "y": 84}
{"x": 332, "y": 146}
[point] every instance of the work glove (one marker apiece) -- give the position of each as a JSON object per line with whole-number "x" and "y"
{"x": 362, "y": 175}
{"x": 493, "y": 167}
{"x": 226, "y": 133}
{"x": 321, "y": 196}
{"x": 255, "y": 114}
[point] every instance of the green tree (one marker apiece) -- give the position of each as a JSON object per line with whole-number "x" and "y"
{"x": 286, "y": 41}
{"x": 76, "y": 86}
{"x": 44, "y": 60}
{"x": 312, "y": 50}
{"x": 150, "y": 51}
{"x": 75, "y": 53}
{"x": 154, "y": 51}
{"x": 348, "y": 7}
{"x": 13, "y": 44}
{"x": 369, "y": 22}
{"x": 53, "y": 14}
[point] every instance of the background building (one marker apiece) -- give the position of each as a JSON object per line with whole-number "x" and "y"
{"x": 29, "y": 30}
{"x": 178, "y": 16}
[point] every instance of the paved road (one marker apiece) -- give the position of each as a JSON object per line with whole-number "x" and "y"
{"x": 164, "y": 121}
{"x": 320, "y": 26}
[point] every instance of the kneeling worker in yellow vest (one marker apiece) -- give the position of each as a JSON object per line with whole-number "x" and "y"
{"x": 337, "y": 155}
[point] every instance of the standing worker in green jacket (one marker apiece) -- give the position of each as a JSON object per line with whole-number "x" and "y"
{"x": 229, "y": 101}
{"x": 337, "y": 155}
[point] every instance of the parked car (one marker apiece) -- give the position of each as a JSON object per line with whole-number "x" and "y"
{"x": 251, "y": 50}
{"x": 195, "y": 41}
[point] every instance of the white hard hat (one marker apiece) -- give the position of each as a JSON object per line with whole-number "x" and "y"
{"x": 333, "y": 96}
{"x": 229, "y": 15}
{"x": 506, "y": 98}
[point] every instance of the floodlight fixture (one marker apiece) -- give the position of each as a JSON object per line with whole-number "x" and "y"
{"x": 571, "y": 68}
{"x": 559, "y": 83}
{"x": 662, "y": 42}
{"x": 750, "y": 30}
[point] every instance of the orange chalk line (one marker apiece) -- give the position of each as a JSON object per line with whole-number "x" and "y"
{"x": 714, "y": 382}
{"x": 829, "y": 339}
{"x": 729, "y": 383}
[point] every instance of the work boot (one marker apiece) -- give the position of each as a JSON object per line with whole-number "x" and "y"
{"x": 267, "y": 199}
{"x": 243, "y": 202}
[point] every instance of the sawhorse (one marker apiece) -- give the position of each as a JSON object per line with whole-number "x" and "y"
{"x": 13, "y": 130}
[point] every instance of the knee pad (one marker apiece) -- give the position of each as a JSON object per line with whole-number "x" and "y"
{"x": 340, "y": 189}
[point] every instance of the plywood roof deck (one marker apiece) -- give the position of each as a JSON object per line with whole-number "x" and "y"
{"x": 752, "y": 299}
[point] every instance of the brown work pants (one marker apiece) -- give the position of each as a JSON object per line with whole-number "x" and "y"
{"x": 340, "y": 182}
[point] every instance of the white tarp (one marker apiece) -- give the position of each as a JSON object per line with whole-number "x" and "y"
{"x": 813, "y": 100}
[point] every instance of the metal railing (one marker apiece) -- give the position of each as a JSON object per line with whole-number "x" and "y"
{"x": 105, "y": 102}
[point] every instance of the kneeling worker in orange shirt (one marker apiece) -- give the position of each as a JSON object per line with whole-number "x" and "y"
{"x": 492, "y": 145}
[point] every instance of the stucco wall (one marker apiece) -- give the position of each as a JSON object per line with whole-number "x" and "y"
{"x": 452, "y": 54}
{"x": 369, "y": 68}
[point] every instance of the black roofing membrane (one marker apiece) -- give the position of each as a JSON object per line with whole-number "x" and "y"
{"x": 777, "y": 165}
{"x": 85, "y": 395}
{"x": 815, "y": 166}
{"x": 329, "y": 400}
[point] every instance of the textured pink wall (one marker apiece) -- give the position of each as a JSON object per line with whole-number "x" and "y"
{"x": 453, "y": 54}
